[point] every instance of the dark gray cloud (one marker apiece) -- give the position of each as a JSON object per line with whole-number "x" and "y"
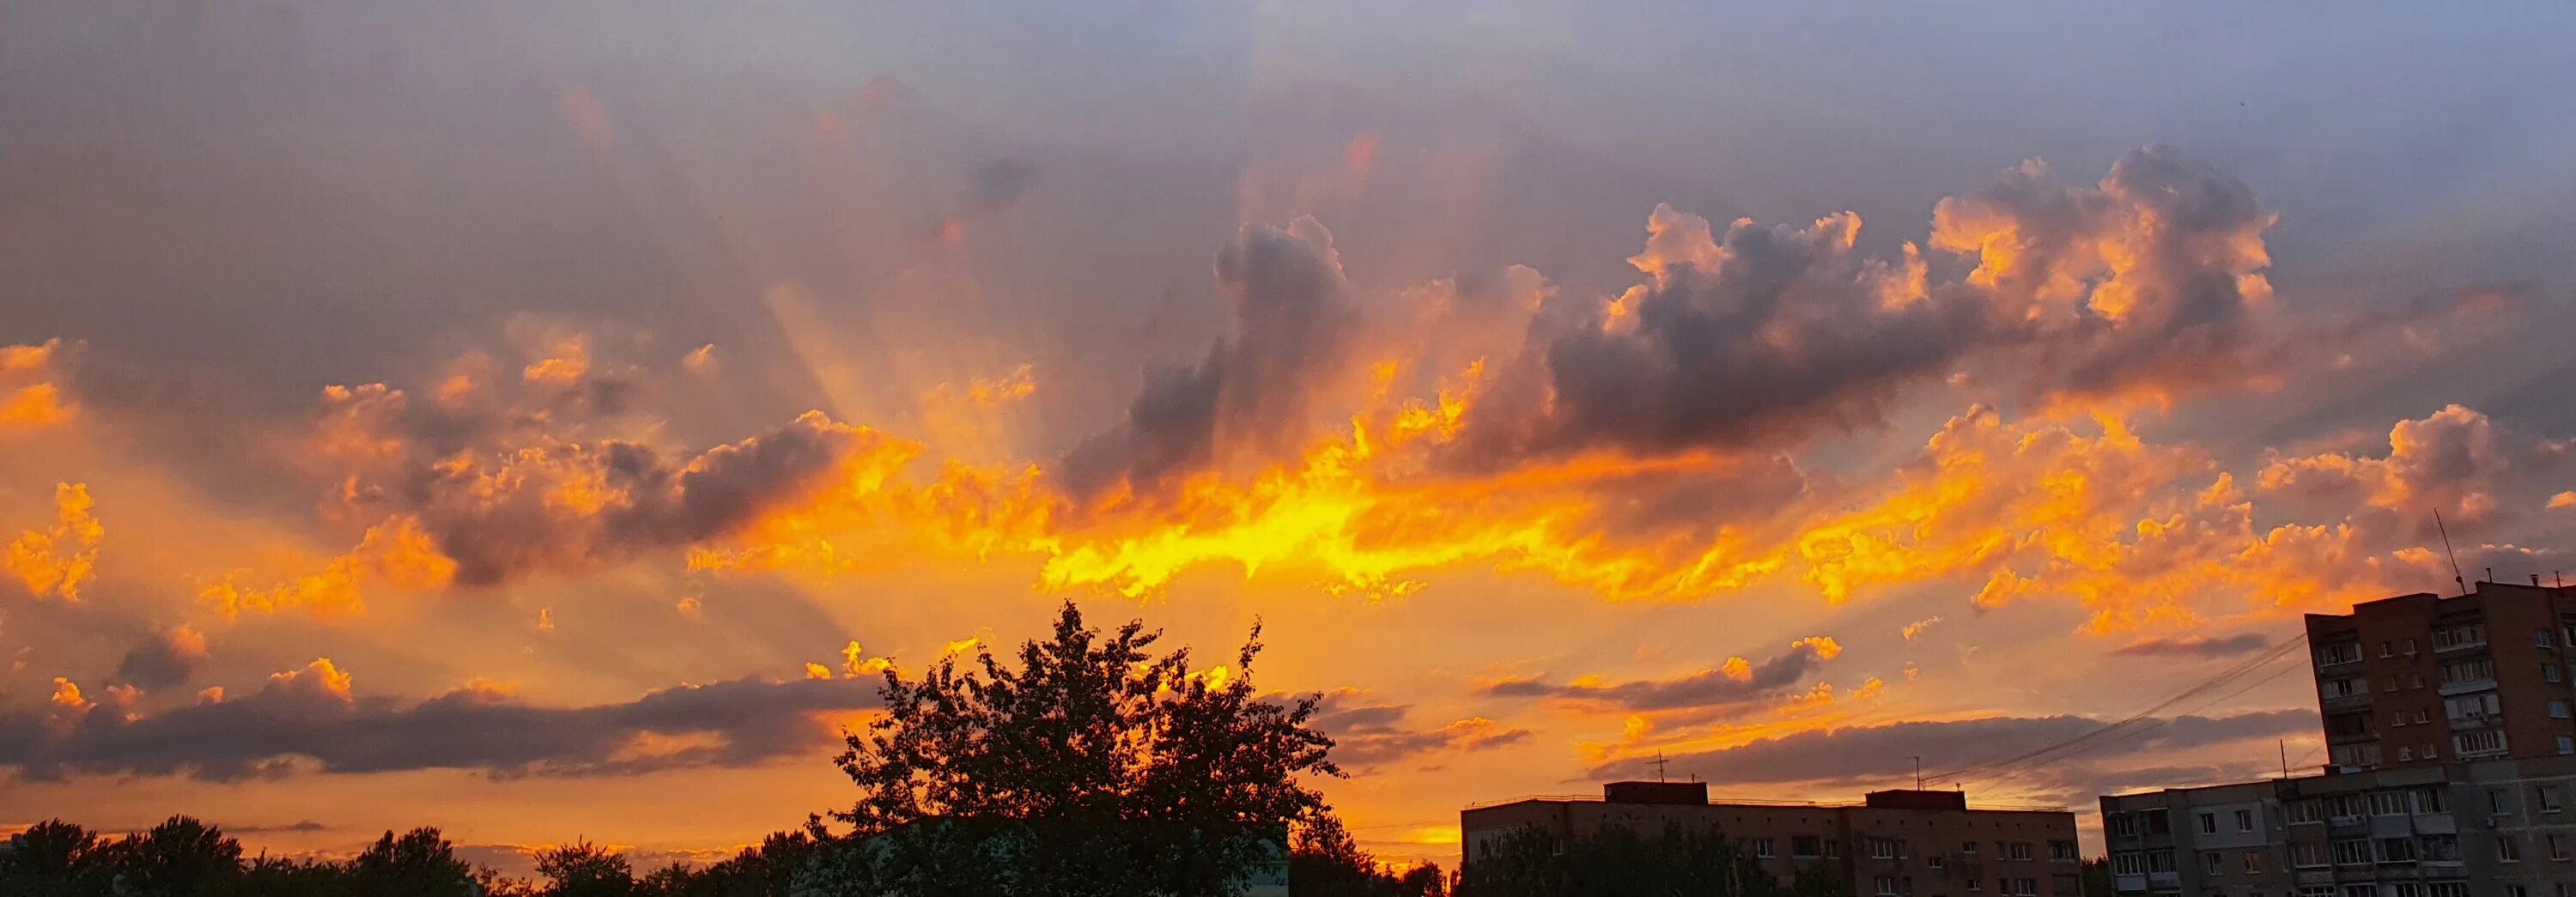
{"x": 502, "y": 514}
{"x": 2198, "y": 646}
{"x": 1367, "y": 735}
{"x": 1856, "y": 753}
{"x": 1293, "y": 327}
{"x": 2150, "y": 279}
{"x": 163, "y": 660}
{"x": 1762, "y": 326}
{"x": 305, "y": 717}
{"x": 997, "y": 184}
{"x": 1733, "y": 684}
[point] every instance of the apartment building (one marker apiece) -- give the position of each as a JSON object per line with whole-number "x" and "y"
{"x": 2423, "y": 680}
{"x": 1899, "y": 842}
{"x": 2497, "y": 828}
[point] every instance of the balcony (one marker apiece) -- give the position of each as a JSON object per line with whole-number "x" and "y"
{"x": 2356, "y": 701}
{"x": 2466, "y": 686}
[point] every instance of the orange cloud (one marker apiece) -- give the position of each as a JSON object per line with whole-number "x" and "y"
{"x": 31, "y": 405}
{"x": 320, "y": 678}
{"x": 57, "y": 560}
{"x": 394, "y": 554}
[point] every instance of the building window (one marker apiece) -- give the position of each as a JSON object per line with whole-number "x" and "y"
{"x": 2430, "y": 751}
{"x": 2020, "y": 850}
{"x": 2214, "y": 863}
{"x": 2253, "y": 862}
{"x": 2557, "y": 710}
{"x": 2542, "y": 639}
{"x": 2475, "y": 669}
{"x": 2118, "y": 823}
{"x": 1805, "y": 845}
{"x": 2470, "y": 708}
{"x": 2352, "y": 852}
{"x": 2419, "y": 683}
{"x": 2307, "y": 854}
{"x": 2160, "y": 861}
{"x": 2396, "y": 718}
{"x": 2391, "y": 686}
{"x": 1971, "y": 846}
{"x": 1833, "y": 850}
{"x": 2548, "y": 798}
{"x": 2508, "y": 848}
{"x": 2447, "y": 889}
{"x": 2516, "y": 891}
{"x": 2388, "y": 803}
{"x": 2383, "y": 649}
{"x": 2468, "y": 636}
{"x": 1935, "y": 861}
{"x": 2495, "y": 801}
{"x": 2405, "y": 753}
{"x": 2549, "y": 671}
{"x": 2348, "y": 652}
{"x": 2244, "y": 820}
{"x": 2209, "y": 823}
{"x": 2438, "y": 847}
{"x": 2557, "y": 847}
{"x": 2395, "y": 850}
{"x": 1764, "y": 848}
{"x": 1882, "y": 849}
{"x": 2430, "y": 800}
{"x": 2307, "y": 811}
{"x": 2063, "y": 852}
{"x": 2422, "y": 715}
{"x": 2123, "y": 864}
{"x": 1972, "y": 884}
{"x": 2410, "y": 647}
{"x": 2361, "y": 891}
{"x": 1885, "y": 885}
{"x": 2478, "y": 741}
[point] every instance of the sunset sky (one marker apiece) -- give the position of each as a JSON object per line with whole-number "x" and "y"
{"x": 545, "y": 420}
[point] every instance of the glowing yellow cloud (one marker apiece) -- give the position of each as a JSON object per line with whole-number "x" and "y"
{"x": 57, "y": 560}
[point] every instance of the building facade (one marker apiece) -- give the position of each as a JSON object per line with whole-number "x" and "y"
{"x": 2423, "y": 680}
{"x": 1927, "y": 843}
{"x": 2495, "y": 828}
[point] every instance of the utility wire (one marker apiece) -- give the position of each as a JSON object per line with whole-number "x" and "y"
{"x": 2221, "y": 680}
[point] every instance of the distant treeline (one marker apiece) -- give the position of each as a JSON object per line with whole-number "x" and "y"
{"x": 184, "y": 857}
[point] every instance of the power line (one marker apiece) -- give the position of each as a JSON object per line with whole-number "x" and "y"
{"x": 2010, "y": 774}
{"x": 2224, "y": 678}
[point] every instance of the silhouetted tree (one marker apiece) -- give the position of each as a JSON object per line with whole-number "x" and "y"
{"x": 1323, "y": 861}
{"x": 2097, "y": 877}
{"x": 49, "y": 859}
{"x": 1615, "y": 862}
{"x": 421, "y": 863}
{"x": 268, "y": 876}
{"x": 1095, "y": 767}
{"x": 181, "y": 857}
{"x": 583, "y": 869}
{"x": 1818, "y": 881}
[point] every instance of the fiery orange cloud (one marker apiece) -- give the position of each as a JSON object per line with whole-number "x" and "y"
{"x": 57, "y": 560}
{"x": 67, "y": 694}
{"x": 394, "y": 554}
{"x": 321, "y": 677}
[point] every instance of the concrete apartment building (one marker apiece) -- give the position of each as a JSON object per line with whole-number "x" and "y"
{"x": 2496, "y": 828}
{"x": 1901, "y": 842}
{"x": 2420, "y": 680}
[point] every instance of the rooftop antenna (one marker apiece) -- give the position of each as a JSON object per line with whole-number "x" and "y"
{"x": 1660, "y": 762}
{"x": 2285, "y": 756}
{"x": 2456, "y": 575}
{"x": 1918, "y": 772}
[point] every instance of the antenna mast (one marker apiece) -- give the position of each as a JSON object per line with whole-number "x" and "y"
{"x": 1660, "y": 763}
{"x": 2456, "y": 575}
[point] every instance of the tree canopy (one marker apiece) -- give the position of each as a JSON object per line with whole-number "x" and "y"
{"x": 1092, "y": 766}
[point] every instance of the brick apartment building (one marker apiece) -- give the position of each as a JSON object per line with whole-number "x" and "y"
{"x": 2423, "y": 680}
{"x": 1928, "y": 843}
{"x": 2451, "y": 767}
